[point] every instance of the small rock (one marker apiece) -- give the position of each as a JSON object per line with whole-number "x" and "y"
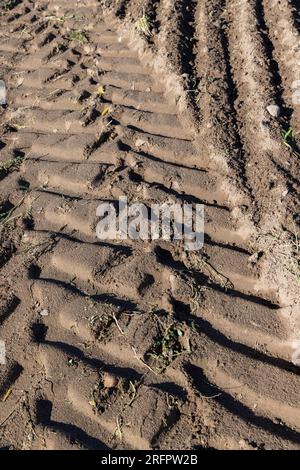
{"x": 274, "y": 110}
{"x": 3, "y": 96}
{"x": 68, "y": 125}
{"x": 44, "y": 312}
{"x": 140, "y": 142}
{"x": 175, "y": 185}
{"x": 109, "y": 380}
{"x": 131, "y": 160}
{"x": 90, "y": 72}
{"x": 86, "y": 49}
{"x": 20, "y": 80}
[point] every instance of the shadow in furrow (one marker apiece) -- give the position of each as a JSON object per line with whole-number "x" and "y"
{"x": 73, "y": 433}
{"x": 203, "y": 385}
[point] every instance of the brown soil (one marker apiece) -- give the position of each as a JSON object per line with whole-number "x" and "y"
{"x": 143, "y": 345}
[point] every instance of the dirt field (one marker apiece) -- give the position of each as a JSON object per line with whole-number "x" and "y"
{"x": 141, "y": 344}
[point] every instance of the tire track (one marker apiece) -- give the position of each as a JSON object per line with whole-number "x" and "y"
{"x": 285, "y": 38}
{"x": 187, "y": 45}
{"x": 217, "y": 95}
{"x": 256, "y": 89}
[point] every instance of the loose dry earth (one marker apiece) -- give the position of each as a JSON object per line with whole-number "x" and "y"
{"x": 138, "y": 345}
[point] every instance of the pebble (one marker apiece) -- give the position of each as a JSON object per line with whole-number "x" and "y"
{"x": 109, "y": 380}
{"x": 44, "y": 312}
{"x": 3, "y": 96}
{"x": 274, "y": 110}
